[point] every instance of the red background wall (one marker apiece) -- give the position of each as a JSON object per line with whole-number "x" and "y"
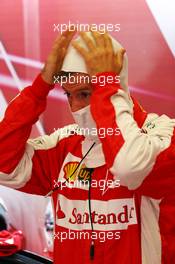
{"x": 26, "y": 32}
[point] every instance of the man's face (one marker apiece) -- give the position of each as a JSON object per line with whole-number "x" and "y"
{"x": 79, "y": 92}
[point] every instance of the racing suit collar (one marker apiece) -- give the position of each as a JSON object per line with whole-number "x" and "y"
{"x": 87, "y": 125}
{"x": 83, "y": 118}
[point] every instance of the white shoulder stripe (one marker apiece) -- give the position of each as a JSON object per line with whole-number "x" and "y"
{"x": 22, "y": 173}
{"x": 50, "y": 141}
{"x": 139, "y": 152}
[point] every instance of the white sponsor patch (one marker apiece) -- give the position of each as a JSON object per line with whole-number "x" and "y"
{"x": 163, "y": 12}
{"x": 115, "y": 214}
{"x": 80, "y": 179}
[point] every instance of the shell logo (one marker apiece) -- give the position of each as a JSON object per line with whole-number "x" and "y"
{"x": 69, "y": 170}
{"x": 81, "y": 174}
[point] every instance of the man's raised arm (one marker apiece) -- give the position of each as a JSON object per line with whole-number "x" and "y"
{"x": 132, "y": 154}
{"x": 15, "y": 153}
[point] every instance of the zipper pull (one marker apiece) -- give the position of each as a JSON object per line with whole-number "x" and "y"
{"x": 92, "y": 249}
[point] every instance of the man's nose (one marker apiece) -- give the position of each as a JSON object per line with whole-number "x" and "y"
{"x": 75, "y": 104}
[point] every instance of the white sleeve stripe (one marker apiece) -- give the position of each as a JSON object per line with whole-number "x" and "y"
{"x": 138, "y": 154}
{"x": 48, "y": 142}
{"x": 22, "y": 173}
{"x": 150, "y": 231}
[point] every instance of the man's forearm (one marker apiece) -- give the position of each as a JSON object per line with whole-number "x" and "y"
{"x": 15, "y": 128}
{"x": 132, "y": 154}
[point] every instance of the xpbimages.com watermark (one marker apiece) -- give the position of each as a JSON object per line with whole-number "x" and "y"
{"x": 101, "y": 184}
{"x": 74, "y": 78}
{"x": 101, "y": 28}
{"x": 101, "y": 236}
{"x": 101, "y": 132}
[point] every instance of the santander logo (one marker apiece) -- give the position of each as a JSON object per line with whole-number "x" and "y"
{"x": 114, "y": 214}
{"x": 102, "y": 219}
{"x": 59, "y": 212}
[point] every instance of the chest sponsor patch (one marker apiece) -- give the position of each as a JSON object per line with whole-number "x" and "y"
{"x": 74, "y": 176}
{"x": 115, "y": 214}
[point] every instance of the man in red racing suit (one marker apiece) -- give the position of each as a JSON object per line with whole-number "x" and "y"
{"x": 110, "y": 189}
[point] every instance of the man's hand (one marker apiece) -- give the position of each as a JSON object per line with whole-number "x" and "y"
{"x": 55, "y": 59}
{"x": 100, "y": 57}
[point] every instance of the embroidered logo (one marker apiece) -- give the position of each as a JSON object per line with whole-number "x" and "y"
{"x": 71, "y": 173}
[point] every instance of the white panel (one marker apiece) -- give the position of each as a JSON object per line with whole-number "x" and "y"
{"x": 164, "y": 14}
{"x": 3, "y": 105}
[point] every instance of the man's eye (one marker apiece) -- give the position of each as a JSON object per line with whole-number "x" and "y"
{"x": 67, "y": 94}
{"x": 85, "y": 94}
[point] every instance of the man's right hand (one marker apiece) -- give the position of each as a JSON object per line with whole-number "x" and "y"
{"x": 55, "y": 59}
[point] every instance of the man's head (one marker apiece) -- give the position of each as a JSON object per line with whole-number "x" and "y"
{"x": 77, "y": 88}
{"x": 79, "y": 91}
